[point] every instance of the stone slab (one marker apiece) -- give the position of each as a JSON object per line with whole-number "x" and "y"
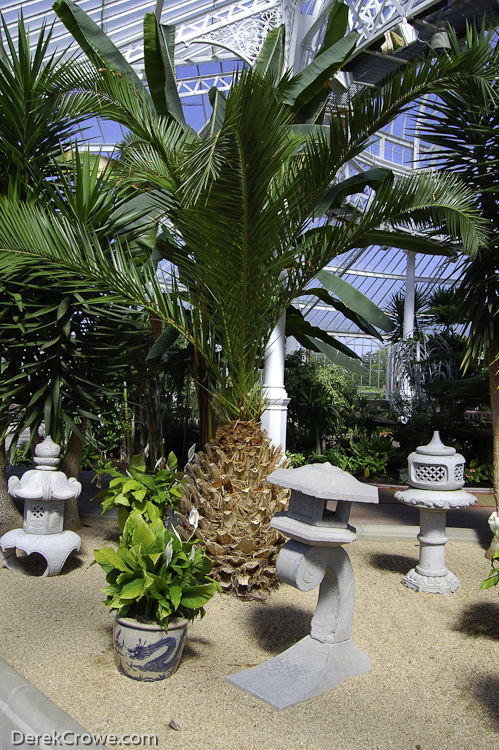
{"x": 28, "y": 713}
{"x": 326, "y": 482}
{"x": 307, "y": 669}
{"x": 315, "y": 536}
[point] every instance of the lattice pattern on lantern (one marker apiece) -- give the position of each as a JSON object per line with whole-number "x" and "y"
{"x": 37, "y": 511}
{"x": 430, "y": 473}
{"x": 459, "y": 473}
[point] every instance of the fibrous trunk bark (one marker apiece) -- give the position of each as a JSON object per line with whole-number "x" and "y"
{"x": 227, "y": 484}
{"x": 71, "y": 468}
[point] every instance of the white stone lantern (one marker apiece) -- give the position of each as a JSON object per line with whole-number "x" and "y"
{"x": 44, "y": 491}
{"x": 436, "y": 476}
{"x": 314, "y": 557}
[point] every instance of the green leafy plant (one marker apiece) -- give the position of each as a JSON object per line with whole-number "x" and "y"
{"x": 478, "y": 473}
{"x": 296, "y": 459}
{"x": 493, "y": 577}
{"x": 153, "y": 575}
{"x": 151, "y": 495}
{"x": 370, "y": 456}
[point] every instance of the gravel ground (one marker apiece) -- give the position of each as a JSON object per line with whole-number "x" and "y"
{"x": 434, "y": 682}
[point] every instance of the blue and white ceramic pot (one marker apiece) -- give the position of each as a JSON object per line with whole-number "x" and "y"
{"x": 144, "y": 651}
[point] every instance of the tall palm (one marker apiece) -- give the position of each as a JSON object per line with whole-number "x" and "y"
{"x": 51, "y": 340}
{"x": 468, "y": 146}
{"x": 246, "y": 224}
{"x": 41, "y": 109}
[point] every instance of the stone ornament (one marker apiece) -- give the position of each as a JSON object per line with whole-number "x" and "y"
{"x": 44, "y": 491}
{"x": 314, "y": 557}
{"x": 436, "y": 476}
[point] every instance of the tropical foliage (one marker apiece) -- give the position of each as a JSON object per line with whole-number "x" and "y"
{"x": 248, "y": 211}
{"x": 467, "y": 145}
{"x": 319, "y": 392}
{"x": 151, "y": 495}
{"x": 246, "y": 203}
{"x": 153, "y": 575}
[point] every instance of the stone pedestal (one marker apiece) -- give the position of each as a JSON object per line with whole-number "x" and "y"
{"x": 314, "y": 557}
{"x": 44, "y": 491}
{"x": 436, "y": 473}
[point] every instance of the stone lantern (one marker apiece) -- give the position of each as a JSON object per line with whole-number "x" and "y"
{"x": 436, "y": 476}
{"x": 44, "y": 491}
{"x": 314, "y": 557}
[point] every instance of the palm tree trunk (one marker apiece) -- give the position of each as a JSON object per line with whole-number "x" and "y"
{"x": 71, "y": 468}
{"x": 494, "y": 406}
{"x": 203, "y": 393}
{"x": 10, "y": 518}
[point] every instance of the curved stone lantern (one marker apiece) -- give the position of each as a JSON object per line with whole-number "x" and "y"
{"x": 436, "y": 476}
{"x": 44, "y": 491}
{"x": 314, "y": 557}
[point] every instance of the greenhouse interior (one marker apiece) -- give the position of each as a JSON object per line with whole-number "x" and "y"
{"x": 249, "y": 314}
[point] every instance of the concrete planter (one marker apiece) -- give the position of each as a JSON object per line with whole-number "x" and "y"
{"x": 144, "y": 651}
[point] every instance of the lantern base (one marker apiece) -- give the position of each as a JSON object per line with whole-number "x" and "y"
{"x": 445, "y": 584}
{"x": 55, "y": 548}
{"x": 307, "y": 669}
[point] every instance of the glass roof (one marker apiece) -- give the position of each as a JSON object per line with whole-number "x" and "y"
{"x": 213, "y": 38}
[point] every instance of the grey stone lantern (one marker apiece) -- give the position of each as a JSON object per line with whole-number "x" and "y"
{"x": 44, "y": 491}
{"x": 436, "y": 476}
{"x": 317, "y": 524}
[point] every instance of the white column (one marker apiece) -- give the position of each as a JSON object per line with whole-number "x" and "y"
{"x": 410, "y": 295}
{"x": 275, "y": 415}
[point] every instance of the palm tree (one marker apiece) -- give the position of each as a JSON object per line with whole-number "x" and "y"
{"x": 468, "y": 145}
{"x": 40, "y": 111}
{"x": 246, "y": 224}
{"x": 52, "y": 340}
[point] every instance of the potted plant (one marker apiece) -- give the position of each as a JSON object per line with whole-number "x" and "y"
{"x": 156, "y": 585}
{"x": 153, "y": 495}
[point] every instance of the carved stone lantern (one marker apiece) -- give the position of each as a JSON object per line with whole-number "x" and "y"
{"x": 314, "y": 557}
{"x": 44, "y": 491}
{"x": 436, "y": 476}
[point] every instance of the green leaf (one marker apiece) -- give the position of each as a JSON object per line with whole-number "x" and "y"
{"x": 194, "y": 597}
{"x": 138, "y": 463}
{"x": 310, "y": 86}
{"x": 123, "y": 514}
{"x": 270, "y": 59}
{"x": 96, "y": 44}
{"x": 298, "y": 326}
{"x": 357, "y": 301}
{"x": 163, "y": 343}
{"x": 153, "y": 511}
{"x": 337, "y": 25}
{"x": 335, "y": 195}
{"x": 337, "y": 357}
{"x": 144, "y": 536}
{"x": 134, "y": 559}
{"x": 175, "y": 594}
{"x": 140, "y": 494}
{"x": 133, "y": 590}
{"x": 159, "y": 51}
{"x": 492, "y": 580}
{"x": 107, "y": 557}
{"x": 132, "y": 484}
{"x": 121, "y": 500}
{"x": 409, "y": 241}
